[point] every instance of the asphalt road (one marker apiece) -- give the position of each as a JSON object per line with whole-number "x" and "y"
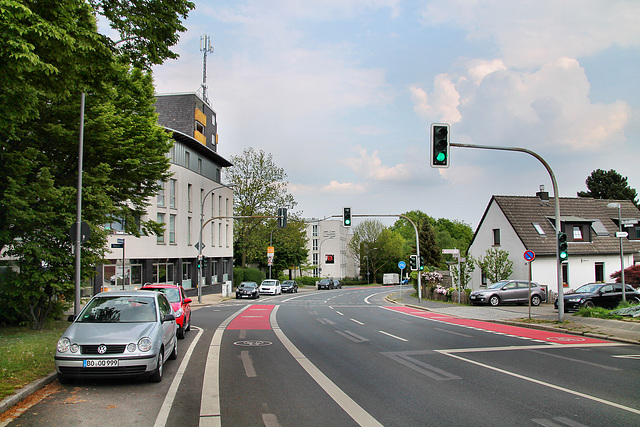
{"x": 347, "y": 357}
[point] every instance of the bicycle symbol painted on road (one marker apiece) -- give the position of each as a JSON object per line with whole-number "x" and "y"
{"x": 566, "y": 339}
{"x": 252, "y": 343}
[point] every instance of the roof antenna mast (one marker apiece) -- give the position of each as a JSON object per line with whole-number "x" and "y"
{"x": 205, "y": 46}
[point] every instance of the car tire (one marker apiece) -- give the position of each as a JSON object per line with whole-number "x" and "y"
{"x": 494, "y": 300}
{"x": 188, "y": 328}
{"x": 180, "y": 333}
{"x": 174, "y": 352}
{"x": 156, "y": 377}
{"x": 535, "y": 300}
{"x": 588, "y": 304}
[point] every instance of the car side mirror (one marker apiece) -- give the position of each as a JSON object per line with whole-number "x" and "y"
{"x": 168, "y": 317}
{"x": 187, "y": 300}
{"x": 71, "y": 317}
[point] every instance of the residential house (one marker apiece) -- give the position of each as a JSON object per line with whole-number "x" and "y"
{"x": 519, "y": 223}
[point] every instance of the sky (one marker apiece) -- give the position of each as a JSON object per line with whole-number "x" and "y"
{"x": 342, "y": 93}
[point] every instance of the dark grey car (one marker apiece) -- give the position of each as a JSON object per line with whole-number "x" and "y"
{"x": 508, "y": 291}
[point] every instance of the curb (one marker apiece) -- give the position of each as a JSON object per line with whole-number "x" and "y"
{"x": 26, "y": 391}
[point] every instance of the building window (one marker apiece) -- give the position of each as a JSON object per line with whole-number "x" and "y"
{"x": 538, "y": 228}
{"x": 315, "y": 244}
{"x": 186, "y": 271}
{"x": 213, "y": 235}
{"x": 199, "y": 165}
{"x": 189, "y": 197}
{"x": 219, "y": 205}
{"x": 496, "y": 237}
{"x": 315, "y": 259}
{"x": 600, "y": 272}
{"x": 577, "y": 233}
{"x": 226, "y": 236}
{"x": 220, "y": 235}
{"x": 189, "y": 230}
{"x": 226, "y": 207}
{"x": 187, "y": 159}
{"x": 161, "y": 194}
{"x": 172, "y": 194}
{"x": 172, "y": 229}
{"x": 160, "y": 220}
{"x": 315, "y": 231}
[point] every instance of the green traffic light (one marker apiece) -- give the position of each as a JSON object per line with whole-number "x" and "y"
{"x": 564, "y": 255}
{"x": 347, "y": 221}
{"x": 440, "y": 157}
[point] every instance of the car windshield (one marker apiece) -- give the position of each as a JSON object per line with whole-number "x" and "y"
{"x": 496, "y": 285}
{"x": 268, "y": 283}
{"x": 247, "y": 285}
{"x": 120, "y": 309}
{"x": 588, "y": 288}
{"x": 173, "y": 294}
{"x": 325, "y": 281}
{"x": 286, "y": 282}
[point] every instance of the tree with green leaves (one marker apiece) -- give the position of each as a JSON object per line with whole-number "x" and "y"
{"x": 495, "y": 265}
{"x": 375, "y": 247}
{"x": 464, "y": 275}
{"x": 260, "y": 189}
{"x": 429, "y": 249}
{"x": 609, "y": 185}
{"x": 50, "y": 53}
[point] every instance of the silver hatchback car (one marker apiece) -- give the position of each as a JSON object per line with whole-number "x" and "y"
{"x": 119, "y": 334}
{"x": 509, "y": 291}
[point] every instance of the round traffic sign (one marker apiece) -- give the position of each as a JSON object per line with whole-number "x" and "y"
{"x": 529, "y": 256}
{"x": 402, "y": 265}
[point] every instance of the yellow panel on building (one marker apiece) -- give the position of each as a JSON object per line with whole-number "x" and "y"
{"x": 200, "y": 137}
{"x": 201, "y": 117}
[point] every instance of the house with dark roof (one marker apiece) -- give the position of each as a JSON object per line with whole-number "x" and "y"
{"x": 517, "y": 224}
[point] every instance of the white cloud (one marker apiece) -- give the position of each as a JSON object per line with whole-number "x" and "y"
{"x": 533, "y": 33}
{"x": 370, "y": 168}
{"x": 442, "y": 105}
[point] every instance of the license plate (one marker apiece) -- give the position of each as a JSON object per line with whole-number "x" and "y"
{"x": 100, "y": 363}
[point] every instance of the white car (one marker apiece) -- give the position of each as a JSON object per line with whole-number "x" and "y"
{"x": 270, "y": 287}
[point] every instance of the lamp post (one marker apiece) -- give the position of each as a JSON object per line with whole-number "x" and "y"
{"x": 200, "y": 244}
{"x": 613, "y": 206}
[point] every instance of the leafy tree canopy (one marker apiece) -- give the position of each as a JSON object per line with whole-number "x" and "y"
{"x": 609, "y": 185}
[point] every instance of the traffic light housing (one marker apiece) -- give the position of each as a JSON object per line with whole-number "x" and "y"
{"x": 346, "y": 217}
{"x": 413, "y": 262}
{"x": 563, "y": 246}
{"x": 421, "y": 266}
{"x": 282, "y": 217}
{"x": 439, "y": 145}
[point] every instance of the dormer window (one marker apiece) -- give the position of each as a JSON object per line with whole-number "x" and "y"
{"x": 538, "y": 228}
{"x": 577, "y": 233}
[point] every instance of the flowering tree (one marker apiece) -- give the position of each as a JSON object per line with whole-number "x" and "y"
{"x": 495, "y": 265}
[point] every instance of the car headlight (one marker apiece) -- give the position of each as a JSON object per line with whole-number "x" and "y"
{"x": 63, "y": 345}
{"x": 131, "y": 347}
{"x": 145, "y": 344}
{"x": 74, "y": 348}
{"x": 178, "y": 312}
{"x": 574, "y": 299}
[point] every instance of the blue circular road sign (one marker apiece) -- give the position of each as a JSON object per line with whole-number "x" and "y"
{"x": 529, "y": 256}
{"x": 402, "y": 265}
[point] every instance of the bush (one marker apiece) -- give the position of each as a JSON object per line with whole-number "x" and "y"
{"x": 306, "y": 281}
{"x": 247, "y": 275}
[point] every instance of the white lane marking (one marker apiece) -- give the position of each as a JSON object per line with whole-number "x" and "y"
{"x": 354, "y": 410}
{"x": 341, "y": 314}
{"x": 542, "y": 383}
{"x": 248, "y": 364}
{"x": 270, "y": 420}
{"x": 210, "y": 400}
{"x": 358, "y": 322}
{"x": 574, "y": 360}
{"x": 373, "y": 295}
{"x": 393, "y": 336}
{"x": 351, "y": 336}
{"x": 163, "y": 415}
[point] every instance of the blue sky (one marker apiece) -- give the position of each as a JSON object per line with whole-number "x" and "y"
{"x": 342, "y": 93}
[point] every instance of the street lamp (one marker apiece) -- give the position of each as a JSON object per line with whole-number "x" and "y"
{"x": 200, "y": 244}
{"x": 613, "y": 206}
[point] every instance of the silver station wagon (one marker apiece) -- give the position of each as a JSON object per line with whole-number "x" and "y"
{"x": 119, "y": 334}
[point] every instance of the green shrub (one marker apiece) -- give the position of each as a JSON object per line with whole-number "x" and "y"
{"x": 306, "y": 281}
{"x": 247, "y": 275}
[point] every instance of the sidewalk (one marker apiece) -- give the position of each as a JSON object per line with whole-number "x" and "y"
{"x": 542, "y": 317}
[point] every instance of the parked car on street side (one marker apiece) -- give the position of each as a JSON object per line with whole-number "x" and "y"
{"x": 289, "y": 286}
{"x": 179, "y": 302}
{"x": 509, "y": 291}
{"x": 119, "y": 333}
{"x": 607, "y": 295}
{"x": 270, "y": 287}
{"x": 247, "y": 289}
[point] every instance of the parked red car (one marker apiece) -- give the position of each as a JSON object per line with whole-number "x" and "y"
{"x": 179, "y": 302}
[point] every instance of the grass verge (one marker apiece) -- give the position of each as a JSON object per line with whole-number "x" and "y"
{"x": 26, "y": 355}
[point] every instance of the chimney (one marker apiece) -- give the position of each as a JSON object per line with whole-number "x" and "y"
{"x": 543, "y": 195}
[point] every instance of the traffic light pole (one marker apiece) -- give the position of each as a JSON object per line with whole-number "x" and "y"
{"x": 417, "y": 241}
{"x": 557, "y": 211}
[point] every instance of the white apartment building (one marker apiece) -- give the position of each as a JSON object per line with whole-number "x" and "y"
{"x": 328, "y": 252}
{"x": 194, "y": 189}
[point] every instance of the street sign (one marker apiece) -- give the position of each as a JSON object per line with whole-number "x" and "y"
{"x": 117, "y": 245}
{"x": 199, "y": 245}
{"x": 529, "y": 256}
{"x": 120, "y": 240}
{"x": 85, "y": 232}
{"x": 402, "y": 265}
{"x": 631, "y": 221}
{"x": 451, "y": 251}
{"x": 622, "y": 234}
